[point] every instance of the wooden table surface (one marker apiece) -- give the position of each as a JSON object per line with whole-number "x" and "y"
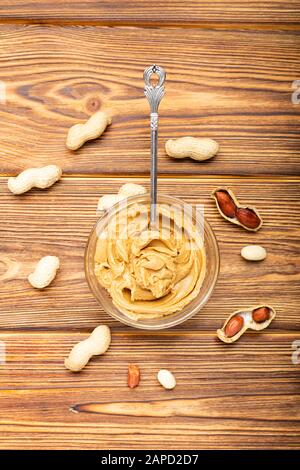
{"x": 231, "y": 67}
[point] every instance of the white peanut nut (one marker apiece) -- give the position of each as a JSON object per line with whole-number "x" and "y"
{"x": 45, "y": 272}
{"x": 196, "y": 148}
{"x": 91, "y": 129}
{"x": 96, "y": 344}
{"x": 127, "y": 190}
{"x": 41, "y": 178}
{"x": 166, "y": 379}
{"x": 253, "y": 253}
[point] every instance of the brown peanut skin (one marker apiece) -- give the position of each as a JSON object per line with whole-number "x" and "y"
{"x": 261, "y": 314}
{"x": 234, "y": 325}
{"x": 247, "y": 217}
{"x": 226, "y": 204}
{"x": 133, "y": 375}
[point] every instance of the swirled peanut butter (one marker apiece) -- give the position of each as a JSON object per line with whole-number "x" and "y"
{"x": 150, "y": 273}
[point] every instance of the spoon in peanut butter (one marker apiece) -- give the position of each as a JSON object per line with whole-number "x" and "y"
{"x": 154, "y": 93}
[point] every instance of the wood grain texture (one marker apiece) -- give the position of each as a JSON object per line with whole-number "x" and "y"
{"x": 252, "y": 401}
{"x": 230, "y": 69}
{"x": 58, "y": 221}
{"x": 141, "y": 12}
{"x": 235, "y": 86}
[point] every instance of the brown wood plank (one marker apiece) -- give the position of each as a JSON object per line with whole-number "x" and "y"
{"x": 252, "y": 401}
{"x": 137, "y": 12}
{"x": 235, "y": 86}
{"x": 59, "y": 220}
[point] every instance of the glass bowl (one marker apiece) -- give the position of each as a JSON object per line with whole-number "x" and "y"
{"x": 211, "y": 272}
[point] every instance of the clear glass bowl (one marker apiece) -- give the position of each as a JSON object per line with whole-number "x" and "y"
{"x": 211, "y": 273}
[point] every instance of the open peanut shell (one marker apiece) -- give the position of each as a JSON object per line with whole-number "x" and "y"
{"x": 249, "y": 323}
{"x": 234, "y": 219}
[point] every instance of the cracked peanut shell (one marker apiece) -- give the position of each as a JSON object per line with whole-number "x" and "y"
{"x": 264, "y": 314}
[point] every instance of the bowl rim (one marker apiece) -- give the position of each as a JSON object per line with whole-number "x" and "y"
{"x": 139, "y": 323}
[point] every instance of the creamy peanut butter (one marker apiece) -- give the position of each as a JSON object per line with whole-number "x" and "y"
{"x": 150, "y": 273}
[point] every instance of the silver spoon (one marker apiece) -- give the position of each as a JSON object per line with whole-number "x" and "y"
{"x": 154, "y": 94}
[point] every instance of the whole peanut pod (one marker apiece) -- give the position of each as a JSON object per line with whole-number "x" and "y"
{"x": 131, "y": 189}
{"x": 198, "y": 149}
{"x": 126, "y": 190}
{"x": 41, "y": 178}
{"x": 45, "y": 272}
{"x": 91, "y": 129}
{"x": 96, "y": 344}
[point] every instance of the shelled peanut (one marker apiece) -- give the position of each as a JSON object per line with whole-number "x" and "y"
{"x": 254, "y": 318}
{"x": 134, "y": 375}
{"x": 166, "y": 379}
{"x": 253, "y": 253}
{"x": 230, "y": 208}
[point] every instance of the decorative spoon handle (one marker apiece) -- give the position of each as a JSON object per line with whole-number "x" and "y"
{"x": 154, "y": 94}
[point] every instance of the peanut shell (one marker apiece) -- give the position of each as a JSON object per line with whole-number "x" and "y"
{"x": 249, "y": 323}
{"x": 234, "y": 220}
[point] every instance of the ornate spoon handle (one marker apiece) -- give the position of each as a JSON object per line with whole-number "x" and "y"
{"x": 154, "y": 95}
